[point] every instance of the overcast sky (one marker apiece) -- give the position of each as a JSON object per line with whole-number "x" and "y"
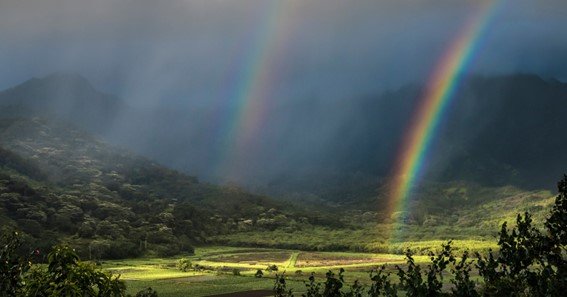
{"x": 312, "y": 62}
{"x": 179, "y": 51}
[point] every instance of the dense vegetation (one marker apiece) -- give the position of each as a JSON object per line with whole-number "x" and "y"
{"x": 531, "y": 261}
{"x": 467, "y": 213}
{"x": 60, "y": 185}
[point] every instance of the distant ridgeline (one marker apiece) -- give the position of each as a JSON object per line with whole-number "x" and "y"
{"x": 498, "y": 130}
{"x": 69, "y": 97}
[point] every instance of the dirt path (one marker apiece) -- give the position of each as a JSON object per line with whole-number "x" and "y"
{"x": 292, "y": 260}
{"x": 253, "y": 293}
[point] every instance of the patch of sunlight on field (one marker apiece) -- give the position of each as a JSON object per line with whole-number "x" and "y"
{"x": 343, "y": 259}
{"x": 152, "y": 273}
{"x": 423, "y": 247}
{"x": 234, "y": 265}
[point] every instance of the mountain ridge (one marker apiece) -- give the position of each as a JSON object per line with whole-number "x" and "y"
{"x": 65, "y": 96}
{"x": 498, "y": 130}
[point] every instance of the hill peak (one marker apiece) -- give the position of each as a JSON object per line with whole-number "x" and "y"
{"x": 66, "y": 77}
{"x": 57, "y": 80}
{"x": 66, "y": 96}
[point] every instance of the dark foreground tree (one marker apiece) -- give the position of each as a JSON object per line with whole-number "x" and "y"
{"x": 64, "y": 274}
{"x": 12, "y": 265}
{"x": 530, "y": 262}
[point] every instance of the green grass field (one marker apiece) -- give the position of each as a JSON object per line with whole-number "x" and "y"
{"x": 219, "y": 264}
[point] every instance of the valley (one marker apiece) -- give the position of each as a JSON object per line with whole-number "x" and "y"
{"x": 285, "y": 148}
{"x": 64, "y": 184}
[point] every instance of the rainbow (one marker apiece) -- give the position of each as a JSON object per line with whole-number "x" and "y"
{"x": 248, "y": 95}
{"x": 432, "y": 107}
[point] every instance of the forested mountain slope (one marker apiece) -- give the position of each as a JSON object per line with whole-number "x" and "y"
{"x": 59, "y": 183}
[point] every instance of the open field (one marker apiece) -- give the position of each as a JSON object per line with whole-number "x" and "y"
{"x": 228, "y": 269}
{"x": 330, "y": 259}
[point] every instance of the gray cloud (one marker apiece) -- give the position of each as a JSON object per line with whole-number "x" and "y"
{"x": 189, "y": 44}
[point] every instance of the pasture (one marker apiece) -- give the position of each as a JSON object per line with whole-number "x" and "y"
{"x": 220, "y": 270}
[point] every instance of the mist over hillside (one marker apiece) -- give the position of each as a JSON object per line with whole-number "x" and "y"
{"x": 69, "y": 97}
{"x": 258, "y": 93}
{"x": 499, "y": 130}
{"x": 61, "y": 184}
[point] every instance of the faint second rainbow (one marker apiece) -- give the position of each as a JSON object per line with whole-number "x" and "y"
{"x": 438, "y": 93}
{"x": 248, "y": 94}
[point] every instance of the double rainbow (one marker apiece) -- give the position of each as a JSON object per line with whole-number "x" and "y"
{"x": 432, "y": 107}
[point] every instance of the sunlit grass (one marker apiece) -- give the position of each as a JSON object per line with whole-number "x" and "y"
{"x": 149, "y": 272}
{"x": 162, "y": 275}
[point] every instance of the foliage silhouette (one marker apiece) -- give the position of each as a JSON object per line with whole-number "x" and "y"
{"x": 64, "y": 275}
{"x": 12, "y": 265}
{"x": 67, "y": 276}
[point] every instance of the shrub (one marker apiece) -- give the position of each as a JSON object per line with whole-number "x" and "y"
{"x": 184, "y": 264}
{"x": 259, "y": 273}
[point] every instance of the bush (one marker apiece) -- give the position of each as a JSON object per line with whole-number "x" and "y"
{"x": 184, "y": 264}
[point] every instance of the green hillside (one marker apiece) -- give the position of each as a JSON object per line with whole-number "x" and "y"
{"x": 468, "y": 213}
{"x": 60, "y": 184}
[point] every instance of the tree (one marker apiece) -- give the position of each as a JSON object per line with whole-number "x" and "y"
{"x": 66, "y": 275}
{"x": 530, "y": 263}
{"x": 12, "y": 265}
